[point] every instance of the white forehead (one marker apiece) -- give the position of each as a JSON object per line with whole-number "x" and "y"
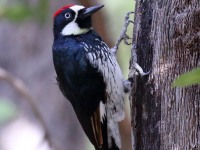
{"x": 76, "y": 8}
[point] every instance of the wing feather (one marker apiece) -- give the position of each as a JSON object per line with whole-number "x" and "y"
{"x": 96, "y": 127}
{"x": 101, "y": 57}
{"x": 91, "y": 79}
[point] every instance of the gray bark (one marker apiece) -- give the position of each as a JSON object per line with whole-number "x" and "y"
{"x": 166, "y": 39}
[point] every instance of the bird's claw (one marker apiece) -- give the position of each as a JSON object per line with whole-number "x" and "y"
{"x": 140, "y": 70}
{"x": 126, "y": 38}
{"x": 123, "y": 36}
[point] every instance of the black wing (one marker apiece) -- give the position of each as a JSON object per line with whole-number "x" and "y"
{"x": 84, "y": 87}
{"x": 83, "y": 82}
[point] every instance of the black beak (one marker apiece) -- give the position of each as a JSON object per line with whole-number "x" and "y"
{"x": 89, "y": 11}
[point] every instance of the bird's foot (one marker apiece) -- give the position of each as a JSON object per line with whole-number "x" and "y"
{"x": 139, "y": 70}
{"x": 123, "y": 35}
{"x": 129, "y": 82}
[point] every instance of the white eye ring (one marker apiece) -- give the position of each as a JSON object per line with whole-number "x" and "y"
{"x": 67, "y": 15}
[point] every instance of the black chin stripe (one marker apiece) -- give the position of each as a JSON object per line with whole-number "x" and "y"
{"x": 84, "y": 23}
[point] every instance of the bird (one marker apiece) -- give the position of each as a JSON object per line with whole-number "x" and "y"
{"x": 88, "y": 75}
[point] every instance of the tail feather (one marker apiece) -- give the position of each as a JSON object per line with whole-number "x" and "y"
{"x": 113, "y": 146}
{"x": 111, "y": 137}
{"x": 103, "y": 133}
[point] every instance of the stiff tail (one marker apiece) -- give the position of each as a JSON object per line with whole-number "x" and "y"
{"x": 113, "y": 145}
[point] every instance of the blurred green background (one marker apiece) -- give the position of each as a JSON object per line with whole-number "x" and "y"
{"x": 25, "y": 53}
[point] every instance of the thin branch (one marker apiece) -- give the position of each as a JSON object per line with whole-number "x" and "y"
{"x": 123, "y": 35}
{"x": 22, "y": 89}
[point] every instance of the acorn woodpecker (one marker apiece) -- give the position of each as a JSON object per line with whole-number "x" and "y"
{"x": 88, "y": 75}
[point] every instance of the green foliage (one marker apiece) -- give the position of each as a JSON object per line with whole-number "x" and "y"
{"x": 20, "y": 11}
{"x": 17, "y": 12}
{"x": 41, "y": 10}
{"x": 7, "y": 110}
{"x": 190, "y": 78}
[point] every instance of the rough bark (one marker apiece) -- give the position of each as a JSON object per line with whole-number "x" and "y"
{"x": 166, "y": 39}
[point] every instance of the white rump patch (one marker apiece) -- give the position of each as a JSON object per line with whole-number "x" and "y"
{"x": 72, "y": 28}
{"x": 102, "y": 111}
{"x": 113, "y": 130}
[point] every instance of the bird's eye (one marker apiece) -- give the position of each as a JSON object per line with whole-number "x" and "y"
{"x": 67, "y": 15}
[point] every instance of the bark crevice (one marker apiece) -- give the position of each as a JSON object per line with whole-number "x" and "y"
{"x": 166, "y": 40}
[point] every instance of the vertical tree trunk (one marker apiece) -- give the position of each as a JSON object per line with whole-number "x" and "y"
{"x": 167, "y": 42}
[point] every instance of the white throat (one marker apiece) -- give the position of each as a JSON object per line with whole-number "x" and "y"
{"x": 72, "y": 28}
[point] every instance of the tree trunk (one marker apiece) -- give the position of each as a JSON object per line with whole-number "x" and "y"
{"x": 166, "y": 40}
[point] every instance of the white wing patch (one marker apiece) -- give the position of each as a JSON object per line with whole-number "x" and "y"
{"x": 102, "y": 111}
{"x": 101, "y": 57}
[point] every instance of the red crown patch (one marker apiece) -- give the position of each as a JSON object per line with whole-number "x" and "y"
{"x": 61, "y": 9}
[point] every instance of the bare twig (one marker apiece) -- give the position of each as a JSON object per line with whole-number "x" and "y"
{"x": 123, "y": 35}
{"x": 22, "y": 89}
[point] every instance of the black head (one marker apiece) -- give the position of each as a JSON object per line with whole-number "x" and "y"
{"x": 73, "y": 20}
